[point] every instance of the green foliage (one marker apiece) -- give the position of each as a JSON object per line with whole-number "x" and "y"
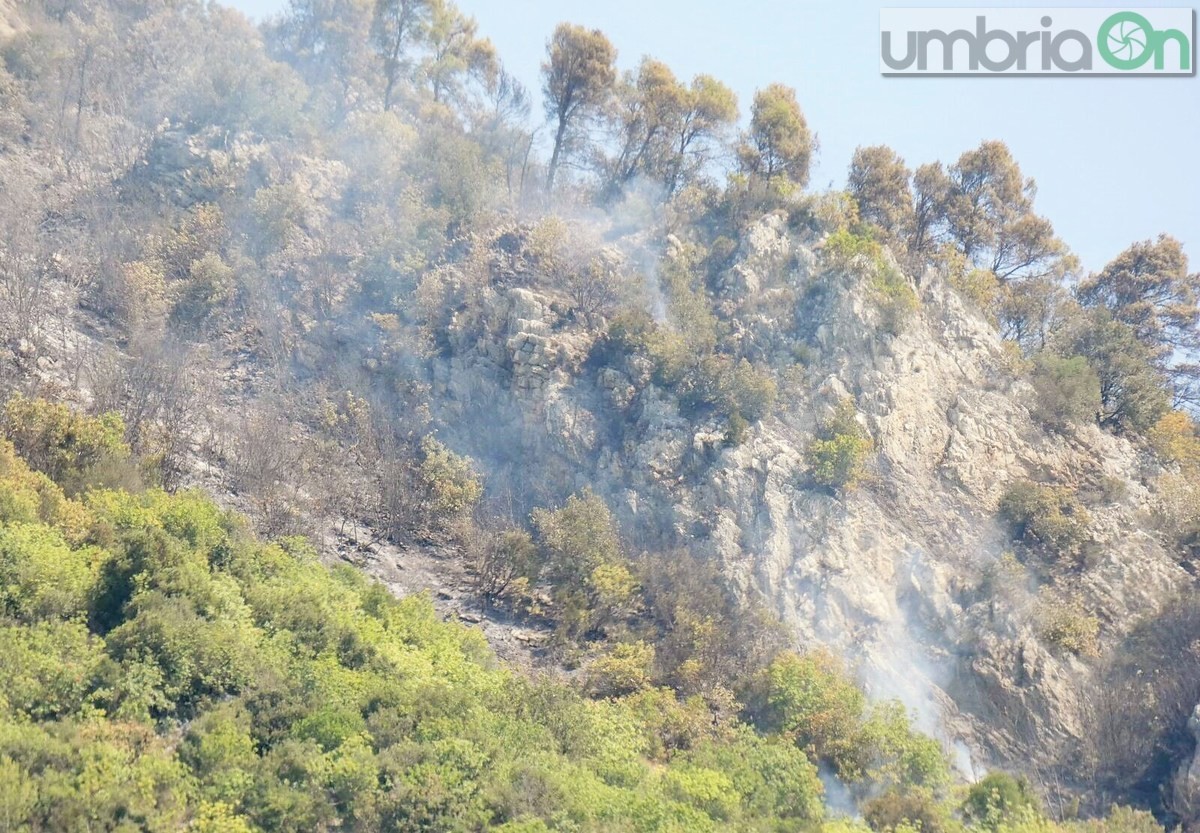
{"x": 1048, "y": 519}
{"x": 916, "y": 809}
{"x": 626, "y": 669}
{"x": 811, "y": 701}
{"x": 737, "y": 429}
{"x": 899, "y": 755}
{"x": 686, "y": 353}
{"x": 41, "y": 576}
{"x": 74, "y": 450}
{"x": 51, "y": 669}
{"x": 449, "y": 486}
{"x": 1133, "y": 390}
{"x": 728, "y": 388}
{"x": 688, "y": 305}
{"x": 1175, "y": 441}
{"x": 845, "y": 250}
{"x": 198, "y": 235}
{"x": 778, "y": 147}
{"x": 1066, "y": 624}
{"x": 194, "y": 678}
{"x": 860, "y": 254}
{"x": 773, "y": 778}
{"x": 1067, "y": 389}
{"x": 999, "y": 799}
{"x": 979, "y": 286}
{"x": 592, "y": 583}
{"x": 577, "y": 538}
{"x": 29, "y": 497}
{"x": 838, "y": 454}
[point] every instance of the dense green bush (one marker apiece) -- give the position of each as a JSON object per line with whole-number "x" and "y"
{"x": 71, "y": 448}
{"x": 838, "y": 455}
{"x": 1067, "y": 390}
{"x": 811, "y": 700}
{"x": 1047, "y": 519}
{"x": 999, "y": 799}
{"x": 591, "y": 579}
{"x": 1067, "y": 625}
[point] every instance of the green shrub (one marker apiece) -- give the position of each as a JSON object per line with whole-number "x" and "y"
{"x": 1134, "y": 390}
{"x": 626, "y": 669}
{"x": 590, "y": 578}
{"x": 1047, "y": 519}
{"x": 74, "y": 450}
{"x": 737, "y": 430}
{"x": 894, "y": 753}
{"x": 838, "y": 455}
{"x": 576, "y": 538}
{"x": 1067, "y": 625}
{"x": 41, "y": 576}
{"x": 810, "y": 700}
{"x": 999, "y": 799}
{"x": 708, "y": 790}
{"x": 773, "y": 777}
{"x": 629, "y": 332}
{"x": 449, "y": 488}
{"x": 1067, "y": 390}
{"x": 749, "y": 392}
{"x": 912, "y": 809}
{"x": 724, "y": 386}
{"x": 859, "y": 254}
{"x": 51, "y": 669}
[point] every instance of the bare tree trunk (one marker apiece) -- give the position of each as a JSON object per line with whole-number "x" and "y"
{"x": 559, "y": 136}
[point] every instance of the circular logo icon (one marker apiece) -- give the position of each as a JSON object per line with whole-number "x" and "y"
{"x": 1126, "y": 40}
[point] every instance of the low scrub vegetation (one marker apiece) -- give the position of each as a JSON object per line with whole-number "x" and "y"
{"x": 837, "y": 456}
{"x": 1049, "y": 520}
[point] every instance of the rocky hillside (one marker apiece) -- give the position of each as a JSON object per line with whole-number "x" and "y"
{"x": 907, "y": 574}
{"x": 653, "y": 416}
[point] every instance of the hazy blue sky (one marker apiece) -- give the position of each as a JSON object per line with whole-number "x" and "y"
{"x": 1114, "y": 158}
